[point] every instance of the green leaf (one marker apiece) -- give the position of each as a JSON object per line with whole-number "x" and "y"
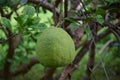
{"x": 88, "y": 19}
{"x": 22, "y": 2}
{"x": 70, "y": 19}
{"x": 100, "y": 12}
{"x": 12, "y": 2}
{"x": 73, "y": 26}
{"x": 6, "y": 22}
{"x": 22, "y": 19}
{"x": 75, "y": 12}
{"x": 36, "y": 20}
{"x": 87, "y": 2}
{"x": 42, "y": 26}
{"x": 29, "y": 10}
{"x": 100, "y": 19}
{"x": 88, "y": 32}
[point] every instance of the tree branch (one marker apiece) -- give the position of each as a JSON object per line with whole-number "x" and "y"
{"x": 74, "y": 5}
{"x": 65, "y": 8}
{"x": 8, "y": 15}
{"x": 43, "y": 4}
{"x": 24, "y": 68}
{"x": 48, "y": 74}
{"x": 1, "y": 73}
{"x": 90, "y": 63}
{"x": 114, "y": 29}
{"x": 9, "y": 56}
{"x": 12, "y": 42}
{"x": 4, "y": 30}
{"x": 57, "y": 2}
{"x": 70, "y": 68}
{"x": 55, "y": 15}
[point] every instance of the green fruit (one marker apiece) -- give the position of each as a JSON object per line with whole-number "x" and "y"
{"x": 55, "y": 48}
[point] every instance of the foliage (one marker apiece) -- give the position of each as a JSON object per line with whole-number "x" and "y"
{"x": 21, "y": 22}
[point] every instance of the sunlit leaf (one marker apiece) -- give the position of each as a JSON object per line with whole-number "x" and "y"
{"x": 29, "y": 10}
{"x": 100, "y": 19}
{"x": 42, "y": 26}
{"x": 6, "y": 22}
{"x": 36, "y": 20}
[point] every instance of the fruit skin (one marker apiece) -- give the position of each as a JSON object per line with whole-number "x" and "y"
{"x": 55, "y": 48}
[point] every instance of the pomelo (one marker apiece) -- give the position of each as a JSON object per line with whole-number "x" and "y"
{"x": 55, "y": 48}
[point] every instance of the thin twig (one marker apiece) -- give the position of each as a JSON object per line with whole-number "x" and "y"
{"x": 55, "y": 17}
{"x": 65, "y": 8}
{"x": 57, "y": 2}
{"x": 105, "y": 70}
{"x": 114, "y": 29}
